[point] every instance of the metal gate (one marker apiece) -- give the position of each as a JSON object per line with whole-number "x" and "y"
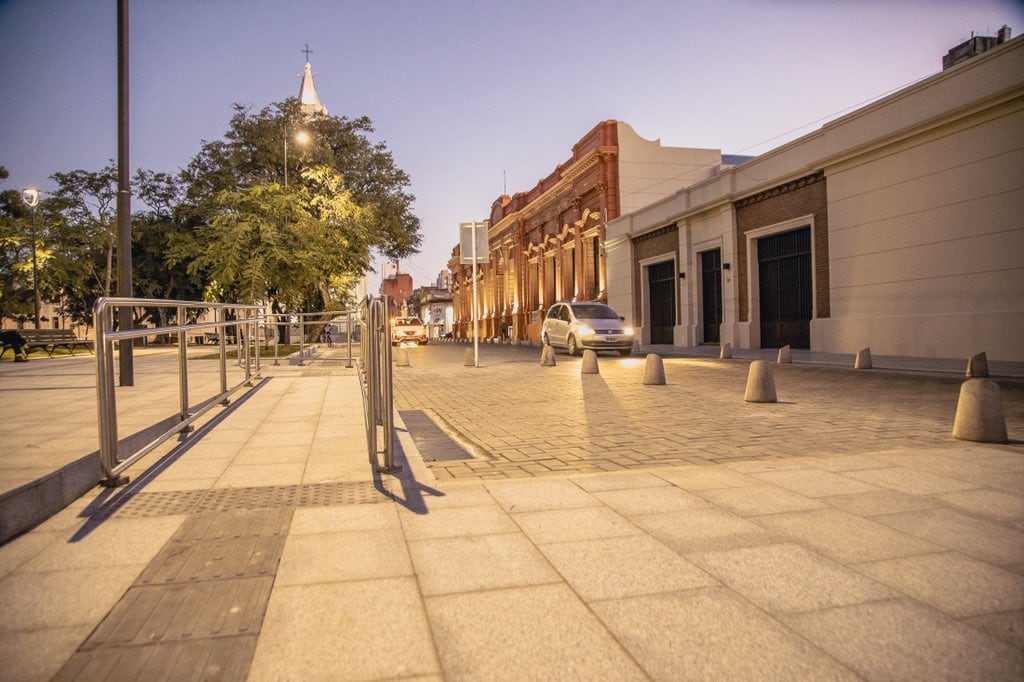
{"x": 711, "y": 293}
{"x": 785, "y": 288}
{"x": 661, "y": 284}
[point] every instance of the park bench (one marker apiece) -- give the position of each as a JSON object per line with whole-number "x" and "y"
{"x": 50, "y": 340}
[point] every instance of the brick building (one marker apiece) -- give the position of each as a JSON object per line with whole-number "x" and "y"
{"x": 547, "y": 244}
{"x": 899, "y": 227}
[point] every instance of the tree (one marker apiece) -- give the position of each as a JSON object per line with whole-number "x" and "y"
{"x": 345, "y": 197}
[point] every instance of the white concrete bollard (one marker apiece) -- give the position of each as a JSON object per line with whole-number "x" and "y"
{"x": 760, "y": 383}
{"x": 725, "y": 353}
{"x": 401, "y": 358}
{"x": 547, "y": 356}
{"x": 785, "y": 355}
{"x": 654, "y": 371}
{"x": 467, "y": 358}
{"x": 589, "y": 363}
{"x": 977, "y": 366}
{"x": 979, "y": 413}
{"x": 863, "y": 360}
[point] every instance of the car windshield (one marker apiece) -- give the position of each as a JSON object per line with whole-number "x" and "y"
{"x": 407, "y": 322}
{"x": 592, "y": 311}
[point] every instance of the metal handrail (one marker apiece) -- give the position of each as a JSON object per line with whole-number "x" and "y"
{"x": 376, "y": 381}
{"x": 324, "y": 318}
{"x": 248, "y": 320}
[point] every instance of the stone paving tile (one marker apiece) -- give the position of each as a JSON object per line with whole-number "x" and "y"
{"x": 1007, "y": 626}
{"x": 879, "y": 502}
{"x": 584, "y": 523}
{"x": 759, "y": 499}
{"x": 951, "y": 582}
{"x": 787, "y": 578}
{"x": 330, "y": 557}
{"x": 708, "y": 634}
{"x": 480, "y": 562}
{"x": 618, "y": 481}
{"x": 54, "y": 599}
{"x": 115, "y": 542}
{"x": 355, "y": 517}
{"x": 258, "y": 475}
{"x": 974, "y": 537}
{"x": 538, "y": 632}
{"x": 996, "y": 505}
{"x": 651, "y": 500}
{"x": 39, "y": 654}
{"x": 706, "y": 478}
{"x": 374, "y": 629}
{"x": 611, "y": 568}
{"x": 703, "y": 529}
{"x": 525, "y": 496}
{"x": 453, "y": 522}
{"x": 902, "y": 640}
{"x": 814, "y": 483}
{"x": 844, "y": 537}
{"x": 913, "y": 481}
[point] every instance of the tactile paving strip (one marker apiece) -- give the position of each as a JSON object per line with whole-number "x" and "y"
{"x": 196, "y": 611}
{"x": 140, "y": 504}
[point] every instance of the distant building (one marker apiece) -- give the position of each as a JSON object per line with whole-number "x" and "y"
{"x": 896, "y": 227}
{"x": 547, "y": 244}
{"x": 974, "y": 46}
{"x": 398, "y": 287}
{"x": 433, "y": 305}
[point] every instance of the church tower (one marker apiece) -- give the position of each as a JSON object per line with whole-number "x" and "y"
{"x": 308, "y": 98}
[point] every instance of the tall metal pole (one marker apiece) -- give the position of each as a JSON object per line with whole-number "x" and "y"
{"x": 476, "y": 334}
{"x": 37, "y": 302}
{"x": 124, "y": 198}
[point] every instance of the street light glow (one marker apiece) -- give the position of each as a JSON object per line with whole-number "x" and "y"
{"x": 302, "y": 137}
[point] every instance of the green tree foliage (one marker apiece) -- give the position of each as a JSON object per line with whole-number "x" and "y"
{"x": 15, "y": 255}
{"x": 307, "y": 238}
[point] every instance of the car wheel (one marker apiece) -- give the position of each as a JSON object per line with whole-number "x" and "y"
{"x": 626, "y": 352}
{"x": 571, "y": 346}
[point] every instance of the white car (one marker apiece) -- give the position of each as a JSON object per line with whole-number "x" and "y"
{"x": 408, "y": 330}
{"x": 586, "y": 324}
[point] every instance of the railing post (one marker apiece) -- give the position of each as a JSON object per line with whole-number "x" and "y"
{"x": 103, "y": 319}
{"x": 222, "y": 346}
{"x": 348, "y": 336}
{"x": 387, "y": 391}
{"x": 182, "y": 366}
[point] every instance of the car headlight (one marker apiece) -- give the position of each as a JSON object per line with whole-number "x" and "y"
{"x": 584, "y": 330}
{"x": 628, "y": 331}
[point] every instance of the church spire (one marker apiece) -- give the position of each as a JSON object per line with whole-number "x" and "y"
{"x": 308, "y": 98}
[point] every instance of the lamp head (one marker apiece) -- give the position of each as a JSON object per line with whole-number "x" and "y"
{"x": 31, "y": 196}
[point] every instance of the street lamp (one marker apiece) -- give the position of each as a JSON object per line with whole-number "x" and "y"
{"x": 31, "y": 197}
{"x": 302, "y": 137}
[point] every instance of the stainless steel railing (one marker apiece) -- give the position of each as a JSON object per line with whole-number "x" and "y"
{"x": 246, "y": 326}
{"x": 328, "y": 322}
{"x": 376, "y": 382}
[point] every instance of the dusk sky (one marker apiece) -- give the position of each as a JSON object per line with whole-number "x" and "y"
{"x": 461, "y": 91}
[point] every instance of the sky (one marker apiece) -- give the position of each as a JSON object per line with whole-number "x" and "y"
{"x": 472, "y": 97}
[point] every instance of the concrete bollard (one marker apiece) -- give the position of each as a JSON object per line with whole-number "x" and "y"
{"x": 467, "y": 358}
{"x": 589, "y": 363}
{"x": 725, "y": 353}
{"x": 654, "y": 371}
{"x": 979, "y": 413}
{"x": 760, "y": 383}
{"x": 863, "y": 360}
{"x": 977, "y": 366}
{"x": 785, "y": 355}
{"x": 547, "y": 356}
{"x": 401, "y": 358}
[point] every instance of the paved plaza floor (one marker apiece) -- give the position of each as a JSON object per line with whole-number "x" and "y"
{"x": 601, "y": 529}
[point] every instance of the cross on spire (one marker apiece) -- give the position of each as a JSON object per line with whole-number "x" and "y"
{"x": 307, "y": 51}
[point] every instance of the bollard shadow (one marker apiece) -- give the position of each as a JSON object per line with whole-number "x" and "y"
{"x": 412, "y": 492}
{"x": 110, "y": 500}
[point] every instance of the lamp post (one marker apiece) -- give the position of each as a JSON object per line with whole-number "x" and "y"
{"x": 302, "y": 137}
{"x": 31, "y": 197}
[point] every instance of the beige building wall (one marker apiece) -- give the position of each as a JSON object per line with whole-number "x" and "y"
{"x": 926, "y": 242}
{"x": 925, "y": 207}
{"x": 649, "y": 172}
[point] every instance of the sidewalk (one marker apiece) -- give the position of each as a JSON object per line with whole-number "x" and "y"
{"x": 838, "y": 534}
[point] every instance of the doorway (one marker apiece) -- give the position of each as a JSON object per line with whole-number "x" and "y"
{"x": 661, "y": 285}
{"x": 711, "y": 293}
{"x": 785, "y": 288}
